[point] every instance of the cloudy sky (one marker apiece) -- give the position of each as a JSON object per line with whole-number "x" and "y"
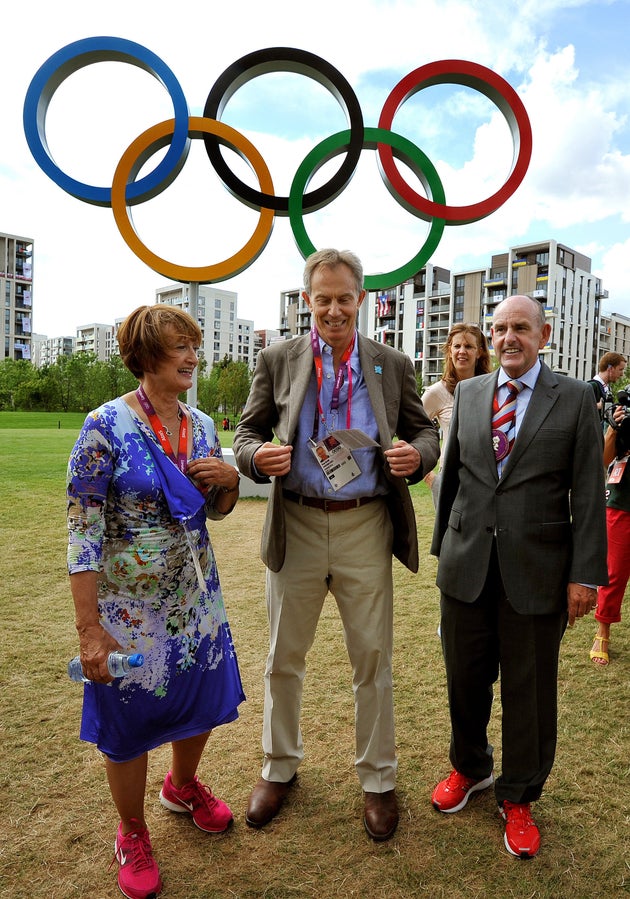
{"x": 567, "y": 59}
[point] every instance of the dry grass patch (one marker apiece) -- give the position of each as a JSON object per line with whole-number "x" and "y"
{"x": 58, "y": 825}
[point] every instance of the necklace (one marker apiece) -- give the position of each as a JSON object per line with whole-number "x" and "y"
{"x": 161, "y": 432}
{"x": 168, "y": 432}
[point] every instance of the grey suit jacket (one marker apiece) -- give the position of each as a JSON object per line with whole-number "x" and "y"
{"x": 283, "y": 372}
{"x": 547, "y": 511}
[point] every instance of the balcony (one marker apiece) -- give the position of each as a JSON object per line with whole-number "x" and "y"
{"x": 437, "y": 308}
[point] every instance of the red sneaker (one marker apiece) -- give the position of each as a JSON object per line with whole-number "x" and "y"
{"x": 138, "y": 874}
{"x": 522, "y": 837}
{"x": 452, "y": 794}
{"x": 208, "y": 812}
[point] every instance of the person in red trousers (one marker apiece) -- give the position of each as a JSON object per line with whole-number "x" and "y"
{"x": 610, "y": 598}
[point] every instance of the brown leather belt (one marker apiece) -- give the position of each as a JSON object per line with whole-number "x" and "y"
{"x": 328, "y": 505}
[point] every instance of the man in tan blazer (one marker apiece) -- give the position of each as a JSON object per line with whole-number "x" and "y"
{"x": 338, "y": 510}
{"x": 521, "y": 537}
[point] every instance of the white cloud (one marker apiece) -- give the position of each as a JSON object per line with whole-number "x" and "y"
{"x": 616, "y": 265}
{"x": 577, "y": 171}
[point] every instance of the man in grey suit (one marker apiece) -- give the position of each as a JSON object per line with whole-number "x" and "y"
{"x": 521, "y": 537}
{"x": 339, "y": 508}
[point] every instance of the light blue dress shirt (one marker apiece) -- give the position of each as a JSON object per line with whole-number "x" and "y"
{"x": 306, "y": 476}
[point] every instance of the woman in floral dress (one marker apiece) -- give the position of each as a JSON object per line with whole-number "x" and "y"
{"x": 145, "y": 473}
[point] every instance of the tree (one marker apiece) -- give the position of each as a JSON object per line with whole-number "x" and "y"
{"x": 225, "y": 389}
{"x": 118, "y": 379}
{"x": 13, "y": 373}
{"x": 234, "y": 384}
{"x": 208, "y": 393}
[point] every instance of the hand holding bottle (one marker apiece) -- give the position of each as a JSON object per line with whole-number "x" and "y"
{"x": 96, "y": 644}
{"x": 118, "y": 664}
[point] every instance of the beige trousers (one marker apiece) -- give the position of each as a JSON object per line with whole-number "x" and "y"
{"x": 349, "y": 554}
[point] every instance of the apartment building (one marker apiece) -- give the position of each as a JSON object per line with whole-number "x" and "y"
{"x": 16, "y": 287}
{"x": 46, "y": 350}
{"x": 224, "y": 334}
{"x": 264, "y": 337}
{"x": 98, "y": 339}
{"x": 414, "y": 317}
{"x": 561, "y": 279}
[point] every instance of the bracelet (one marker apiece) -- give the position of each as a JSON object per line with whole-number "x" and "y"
{"x": 234, "y": 488}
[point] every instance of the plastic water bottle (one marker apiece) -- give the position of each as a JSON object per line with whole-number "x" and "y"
{"x": 118, "y": 664}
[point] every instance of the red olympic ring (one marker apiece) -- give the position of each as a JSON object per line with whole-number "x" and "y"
{"x": 487, "y": 82}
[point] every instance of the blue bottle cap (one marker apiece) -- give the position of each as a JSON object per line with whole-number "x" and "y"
{"x": 136, "y": 660}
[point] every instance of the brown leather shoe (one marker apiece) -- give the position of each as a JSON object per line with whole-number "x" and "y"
{"x": 380, "y": 818}
{"x": 265, "y": 801}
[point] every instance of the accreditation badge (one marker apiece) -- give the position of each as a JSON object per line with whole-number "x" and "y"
{"x": 617, "y": 470}
{"x": 335, "y": 460}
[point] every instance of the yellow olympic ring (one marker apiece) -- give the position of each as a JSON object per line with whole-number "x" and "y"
{"x": 133, "y": 159}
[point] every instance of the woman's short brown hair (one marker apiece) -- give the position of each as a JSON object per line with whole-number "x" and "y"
{"x": 142, "y": 339}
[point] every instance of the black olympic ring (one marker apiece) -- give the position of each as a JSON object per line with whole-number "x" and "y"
{"x": 291, "y": 60}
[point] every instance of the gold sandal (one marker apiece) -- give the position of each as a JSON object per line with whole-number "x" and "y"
{"x": 600, "y": 656}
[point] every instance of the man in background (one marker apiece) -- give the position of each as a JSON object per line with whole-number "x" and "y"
{"x": 611, "y": 368}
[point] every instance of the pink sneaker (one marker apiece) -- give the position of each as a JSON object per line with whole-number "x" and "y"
{"x": 452, "y": 794}
{"x": 208, "y": 812}
{"x": 522, "y": 837}
{"x": 138, "y": 874}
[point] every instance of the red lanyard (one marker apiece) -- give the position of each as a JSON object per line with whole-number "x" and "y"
{"x": 160, "y": 432}
{"x": 319, "y": 370}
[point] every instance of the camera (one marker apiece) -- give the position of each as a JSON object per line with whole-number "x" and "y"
{"x": 623, "y": 426}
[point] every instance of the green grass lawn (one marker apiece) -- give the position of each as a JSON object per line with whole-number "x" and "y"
{"x": 66, "y": 421}
{"x": 42, "y": 420}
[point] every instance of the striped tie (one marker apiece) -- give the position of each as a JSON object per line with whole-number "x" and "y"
{"x": 503, "y": 419}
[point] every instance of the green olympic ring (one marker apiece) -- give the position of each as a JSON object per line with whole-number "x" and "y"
{"x": 402, "y": 148}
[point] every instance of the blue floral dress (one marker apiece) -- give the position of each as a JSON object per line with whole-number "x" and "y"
{"x": 158, "y": 588}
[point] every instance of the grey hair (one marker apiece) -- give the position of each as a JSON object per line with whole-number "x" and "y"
{"x": 332, "y": 258}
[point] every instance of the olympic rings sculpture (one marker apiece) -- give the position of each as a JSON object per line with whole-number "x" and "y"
{"x": 176, "y": 134}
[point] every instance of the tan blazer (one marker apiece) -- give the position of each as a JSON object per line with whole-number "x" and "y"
{"x": 281, "y": 379}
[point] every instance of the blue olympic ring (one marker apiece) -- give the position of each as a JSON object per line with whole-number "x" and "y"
{"x": 69, "y": 60}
